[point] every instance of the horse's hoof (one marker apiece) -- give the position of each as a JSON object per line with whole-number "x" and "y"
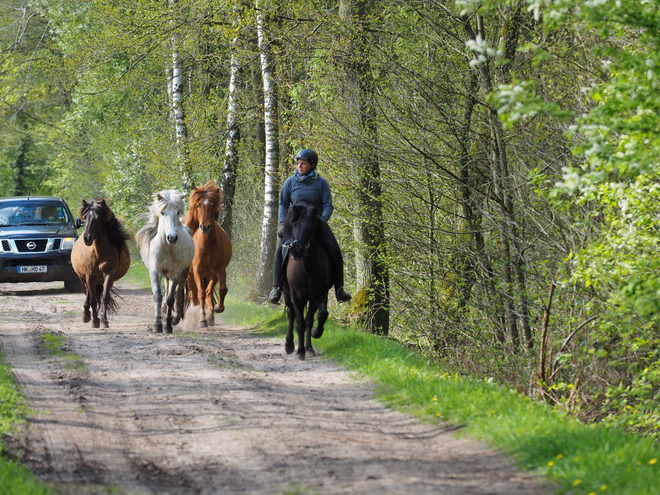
{"x": 168, "y": 329}
{"x": 317, "y": 333}
{"x": 202, "y": 324}
{"x": 157, "y": 329}
{"x": 96, "y": 323}
{"x": 311, "y": 352}
{"x": 105, "y": 324}
{"x": 289, "y": 347}
{"x": 301, "y": 356}
{"x": 219, "y": 309}
{"x": 86, "y": 318}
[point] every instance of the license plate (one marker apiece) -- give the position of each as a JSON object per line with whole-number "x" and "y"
{"x": 32, "y": 269}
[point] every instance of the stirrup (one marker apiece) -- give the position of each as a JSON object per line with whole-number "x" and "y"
{"x": 275, "y": 295}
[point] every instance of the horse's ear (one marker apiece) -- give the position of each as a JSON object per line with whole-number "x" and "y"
{"x": 84, "y": 203}
{"x": 159, "y": 197}
{"x": 209, "y": 185}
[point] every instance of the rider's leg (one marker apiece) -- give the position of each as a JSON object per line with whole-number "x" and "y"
{"x": 276, "y": 293}
{"x": 337, "y": 260}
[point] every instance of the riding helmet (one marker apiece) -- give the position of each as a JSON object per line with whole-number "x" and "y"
{"x": 309, "y": 155}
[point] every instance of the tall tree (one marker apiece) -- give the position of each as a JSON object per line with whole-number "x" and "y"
{"x": 371, "y": 267}
{"x": 271, "y": 166}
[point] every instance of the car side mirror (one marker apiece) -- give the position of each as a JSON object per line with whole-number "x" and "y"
{"x": 78, "y": 223}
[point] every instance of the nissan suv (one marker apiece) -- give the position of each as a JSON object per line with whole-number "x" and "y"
{"x": 37, "y": 234}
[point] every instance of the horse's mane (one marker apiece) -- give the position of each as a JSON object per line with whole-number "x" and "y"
{"x": 209, "y": 191}
{"x": 162, "y": 200}
{"x": 293, "y": 214}
{"x": 116, "y": 233}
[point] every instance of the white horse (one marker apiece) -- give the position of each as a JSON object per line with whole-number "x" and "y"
{"x": 167, "y": 249}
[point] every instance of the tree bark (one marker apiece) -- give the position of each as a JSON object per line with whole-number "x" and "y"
{"x": 370, "y": 259}
{"x": 230, "y": 165}
{"x": 271, "y": 166}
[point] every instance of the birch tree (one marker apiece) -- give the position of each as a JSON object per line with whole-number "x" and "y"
{"x": 271, "y": 166}
{"x": 180, "y": 129}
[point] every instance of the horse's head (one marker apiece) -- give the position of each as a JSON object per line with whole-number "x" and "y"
{"x": 204, "y": 207}
{"x": 167, "y": 208}
{"x": 94, "y": 215}
{"x": 300, "y": 229}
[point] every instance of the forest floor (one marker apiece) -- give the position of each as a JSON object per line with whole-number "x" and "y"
{"x": 215, "y": 411}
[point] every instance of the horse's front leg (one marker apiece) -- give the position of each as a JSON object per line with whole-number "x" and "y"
{"x": 89, "y": 293}
{"x": 210, "y": 319}
{"x": 158, "y": 301}
{"x": 201, "y": 294}
{"x": 171, "y": 287}
{"x": 179, "y": 292}
{"x": 300, "y": 329}
{"x": 107, "y": 295}
{"x": 323, "y": 316}
{"x": 309, "y": 322}
{"x": 222, "y": 291}
{"x": 289, "y": 346}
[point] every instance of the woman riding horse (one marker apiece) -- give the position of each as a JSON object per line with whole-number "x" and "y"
{"x": 307, "y": 185}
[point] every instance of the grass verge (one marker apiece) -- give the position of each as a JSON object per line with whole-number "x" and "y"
{"x": 579, "y": 459}
{"x": 15, "y": 479}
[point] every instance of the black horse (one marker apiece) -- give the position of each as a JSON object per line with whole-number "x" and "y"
{"x": 308, "y": 276}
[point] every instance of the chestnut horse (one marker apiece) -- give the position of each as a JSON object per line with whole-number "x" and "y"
{"x": 212, "y": 252}
{"x": 307, "y": 279}
{"x": 167, "y": 249}
{"x": 99, "y": 257}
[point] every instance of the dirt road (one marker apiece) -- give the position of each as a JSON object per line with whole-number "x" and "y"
{"x": 216, "y": 411}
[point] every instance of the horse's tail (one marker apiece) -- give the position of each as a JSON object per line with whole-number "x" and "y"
{"x": 112, "y": 303}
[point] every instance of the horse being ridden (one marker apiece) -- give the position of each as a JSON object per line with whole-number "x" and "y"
{"x": 308, "y": 276}
{"x": 167, "y": 249}
{"x": 213, "y": 252}
{"x": 100, "y": 257}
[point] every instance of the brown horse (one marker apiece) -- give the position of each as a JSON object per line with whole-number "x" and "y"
{"x": 212, "y": 252}
{"x": 100, "y": 257}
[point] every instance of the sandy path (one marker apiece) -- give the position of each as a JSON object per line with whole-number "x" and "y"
{"x": 216, "y": 411}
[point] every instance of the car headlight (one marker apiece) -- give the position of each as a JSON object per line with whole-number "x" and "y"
{"x": 68, "y": 242}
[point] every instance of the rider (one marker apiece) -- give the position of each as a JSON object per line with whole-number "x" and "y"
{"x": 307, "y": 185}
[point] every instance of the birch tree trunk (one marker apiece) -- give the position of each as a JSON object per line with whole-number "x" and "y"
{"x": 271, "y": 167}
{"x": 368, "y": 230}
{"x": 181, "y": 132}
{"x": 231, "y": 145}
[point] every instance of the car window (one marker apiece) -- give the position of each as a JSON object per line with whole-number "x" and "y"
{"x": 31, "y": 213}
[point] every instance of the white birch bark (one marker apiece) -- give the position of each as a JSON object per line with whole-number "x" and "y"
{"x": 271, "y": 168}
{"x": 231, "y": 145}
{"x": 181, "y": 132}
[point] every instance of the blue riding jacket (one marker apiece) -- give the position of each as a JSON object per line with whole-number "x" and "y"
{"x": 311, "y": 188}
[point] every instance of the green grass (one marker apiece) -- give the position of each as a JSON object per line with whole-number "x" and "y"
{"x": 55, "y": 345}
{"x": 15, "y": 479}
{"x": 578, "y": 459}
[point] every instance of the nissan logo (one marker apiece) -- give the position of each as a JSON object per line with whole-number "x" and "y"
{"x": 31, "y": 245}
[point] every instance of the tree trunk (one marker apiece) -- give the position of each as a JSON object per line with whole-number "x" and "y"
{"x": 370, "y": 259}
{"x": 181, "y": 131}
{"x": 231, "y": 146}
{"x": 271, "y": 167}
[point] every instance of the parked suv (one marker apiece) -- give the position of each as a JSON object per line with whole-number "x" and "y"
{"x": 37, "y": 234}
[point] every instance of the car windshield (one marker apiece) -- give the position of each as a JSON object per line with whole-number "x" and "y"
{"x": 32, "y": 213}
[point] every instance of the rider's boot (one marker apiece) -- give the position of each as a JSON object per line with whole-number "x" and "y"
{"x": 342, "y": 295}
{"x": 275, "y": 295}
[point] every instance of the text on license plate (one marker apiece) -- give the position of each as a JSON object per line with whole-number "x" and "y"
{"x": 32, "y": 269}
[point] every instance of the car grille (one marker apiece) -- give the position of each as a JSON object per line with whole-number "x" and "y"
{"x": 31, "y": 245}
{"x": 5, "y": 246}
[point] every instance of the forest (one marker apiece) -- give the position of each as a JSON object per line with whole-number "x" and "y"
{"x": 494, "y": 164}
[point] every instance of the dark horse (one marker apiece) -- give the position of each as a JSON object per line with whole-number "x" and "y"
{"x": 99, "y": 257}
{"x": 308, "y": 277}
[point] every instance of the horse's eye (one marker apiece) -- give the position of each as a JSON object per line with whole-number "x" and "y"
{"x": 162, "y": 212}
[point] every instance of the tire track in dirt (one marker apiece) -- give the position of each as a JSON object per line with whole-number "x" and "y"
{"x": 217, "y": 411}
